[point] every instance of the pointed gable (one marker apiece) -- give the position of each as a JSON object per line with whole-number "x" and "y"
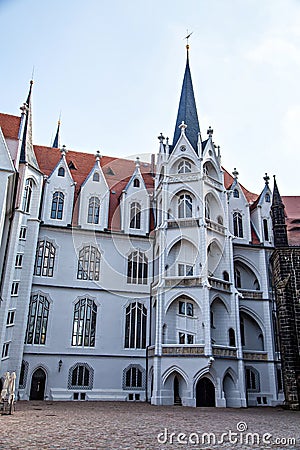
{"x": 27, "y": 154}
{"x": 187, "y": 111}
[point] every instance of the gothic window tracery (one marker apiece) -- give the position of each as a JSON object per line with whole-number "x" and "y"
{"x": 135, "y": 215}
{"x": 93, "y": 210}
{"x": 137, "y": 268}
{"x": 185, "y": 206}
{"x": 44, "y": 259}
{"x": 27, "y": 195}
{"x": 238, "y": 225}
{"x": 37, "y": 320}
{"x": 89, "y": 264}
{"x": 57, "y": 206}
{"x": 84, "y": 323}
{"x": 135, "y": 325}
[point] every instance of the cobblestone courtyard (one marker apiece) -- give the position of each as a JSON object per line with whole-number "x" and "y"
{"x": 107, "y": 425}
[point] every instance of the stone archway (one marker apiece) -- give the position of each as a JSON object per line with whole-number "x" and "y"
{"x": 38, "y": 383}
{"x": 205, "y": 393}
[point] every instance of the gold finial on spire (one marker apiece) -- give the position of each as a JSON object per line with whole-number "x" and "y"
{"x": 187, "y": 39}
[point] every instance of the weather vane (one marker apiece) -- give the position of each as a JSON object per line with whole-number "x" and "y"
{"x": 188, "y": 36}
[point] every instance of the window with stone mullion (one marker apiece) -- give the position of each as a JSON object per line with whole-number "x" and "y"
{"x": 37, "y": 320}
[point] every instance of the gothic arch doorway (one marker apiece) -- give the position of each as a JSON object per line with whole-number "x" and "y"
{"x": 38, "y": 382}
{"x": 205, "y": 393}
{"x": 177, "y": 398}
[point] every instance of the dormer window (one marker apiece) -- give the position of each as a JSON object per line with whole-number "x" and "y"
{"x": 61, "y": 172}
{"x": 267, "y": 198}
{"x": 136, "y": 183}
{"x": 236, "y": 193}
{"x": 57, "y": 206}
{"x": 96, "y": 177}
{"x": 184, "y": 167}
{"x": 93, "y": 210}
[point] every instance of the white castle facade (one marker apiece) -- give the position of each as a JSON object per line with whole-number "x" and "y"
{"x": 121, "y": 282}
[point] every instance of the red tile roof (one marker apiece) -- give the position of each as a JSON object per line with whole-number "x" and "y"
{"x": 10, "y": 125}
{"x": 117, "y": 172}
{"x": 228, "y": 180}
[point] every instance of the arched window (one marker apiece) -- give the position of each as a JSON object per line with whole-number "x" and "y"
{"x": 185, "y": 206}
{"x": 236, "y": 193}
{"x": 93, "y": 210}
{"x": 225, "y": 276}
{"x": 207, "y": 209}
{"x": 89, "y": 263}
{"x": 136, "y": 183}
{"x": 184, "y": 166}
{"x": 238, "y": 225}
{"x": 135, "y": 325}
{"x": 134, "y": 377}
{"x": 96, "y": 177}
{"x": 57, "y": 207}
{"x": 231, "y": 335}
{"x": 37, "y": 320}
{"x": 44, "y": 259}
{"x": 266, "y": 229}
{"x": 137, "y": 268}
{"x": 252, "y": 379}
{"x": 84, "y": 323}
{"x": 61, "y": 172}
{"x": 135, "y": 215}
{"x": 242, "y": 328}
{"x": 81, "y": 376}
{"x": 27, "y": 195}
{"x": 238, "y": 279}
{"x": 267, "y": 198}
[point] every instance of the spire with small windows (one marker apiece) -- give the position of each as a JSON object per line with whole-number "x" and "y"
{"x": 27, "y": 154}
{"x": 278, "y": 219}
{"x": 187, "y": 111}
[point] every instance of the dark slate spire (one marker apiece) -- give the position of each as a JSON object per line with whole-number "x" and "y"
{"x": 278, "y": 219}
{"x": 187, "y": 111}
{"x": 27, "y": 154}
{"x": 56, "y": 139}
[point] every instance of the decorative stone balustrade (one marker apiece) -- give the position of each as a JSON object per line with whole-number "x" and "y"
{"x": 180, "y": 281}
{"x": 251, "y": 294}
{"x": 224, "y": 352}
{"x": 184, "y": 350}
{"x": 255, "y": 356}
{"x": 183, "y": 223}
{"x": 211, "y": 225}
{"x": 220, "y": 285}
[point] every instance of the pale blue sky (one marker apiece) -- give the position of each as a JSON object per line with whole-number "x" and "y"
{"x": 115, "y": 68}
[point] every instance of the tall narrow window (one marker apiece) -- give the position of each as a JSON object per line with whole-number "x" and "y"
{"x": 238, "y": 279}
{"x": 266, "y": 229}
{"x": 207, "y": 209}
{"x": 238, "y": 225}
{"x": 231, "y": 335}
{"x": 135, "y": 215}
{"x": 185, "y": 206}
{"x": 137, "y": 268}
{"x": 27, "y": 195}
{"x": 136, "y": 183}
{"x": 89, "y": 264}
{"x": 184, "y": 167}
{"x": 242, "y": 327}
{"x": 136, "y": 325}
{"x": 57, "y": 206}
{"x": 267, "y": 198}
{"x": 94, "y": 210}
{"x": 252, "y": 379}
{"x": 37, "y": 320}
{"x": 84, "y": 323}
{"x": 44, "y": 259}
{"x": 236, "y": 193}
